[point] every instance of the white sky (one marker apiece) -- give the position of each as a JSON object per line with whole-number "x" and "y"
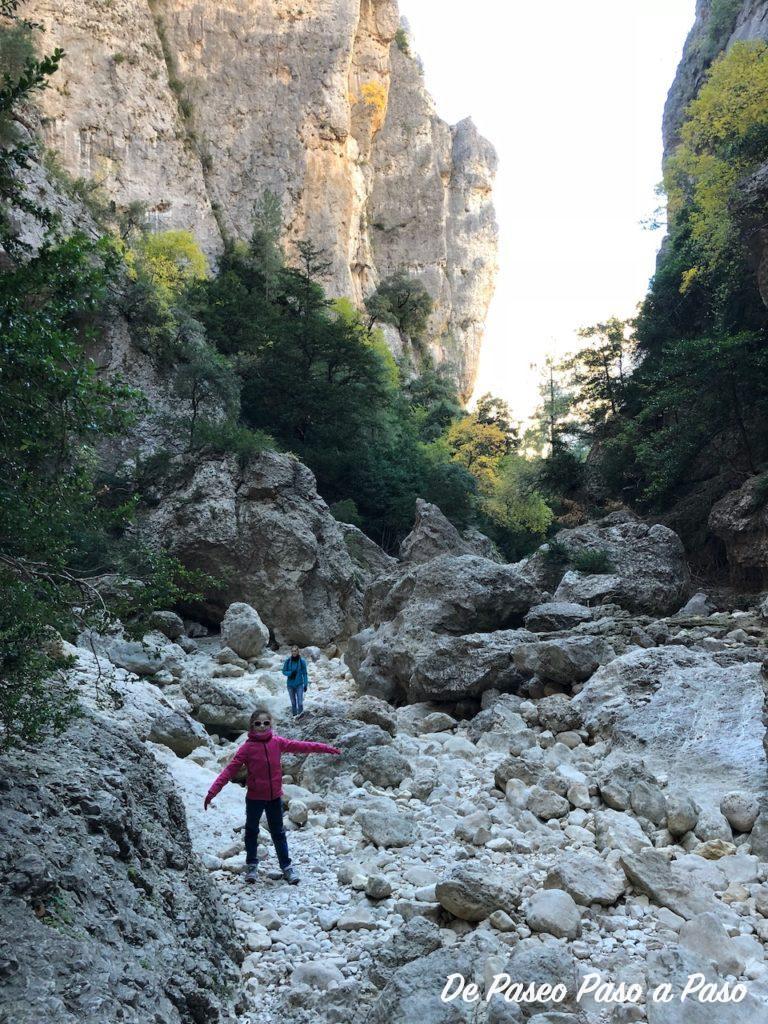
{"x": 571, "y": 94}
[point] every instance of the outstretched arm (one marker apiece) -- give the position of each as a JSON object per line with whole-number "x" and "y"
{"x": 226, "y": 776}
{"x": 306, "y": 747}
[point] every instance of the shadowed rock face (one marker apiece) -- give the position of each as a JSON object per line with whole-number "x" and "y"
{"x": 197, "y": 108}
{"x": 104, "y": 904}
{"x": 741, "y": 522}
{"x": 268, "y": 535}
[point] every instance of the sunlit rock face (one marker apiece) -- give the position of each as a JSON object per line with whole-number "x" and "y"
{"x": 195, "y": 108}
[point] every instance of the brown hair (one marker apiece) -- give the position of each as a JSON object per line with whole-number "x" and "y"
{"x": 260, "y": 711}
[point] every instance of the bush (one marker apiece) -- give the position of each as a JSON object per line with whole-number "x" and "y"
{"x": 556, "y": 553}
{"x": 228, "y": 437}
{"x": 346, "y": 512}
{"x": 591, "y": 562}
{"x": 401, "y": 41}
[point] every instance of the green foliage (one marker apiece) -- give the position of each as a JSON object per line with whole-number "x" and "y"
{"x": 556, "y": 553}
{"x": 591, "y": 561}
{"x": 204, "y": 384}
{"x": 346, "y": 511}
{"x": 515, "y": 503}
{"x": 724, "y": 136}
{"x": 403, "y": 302}
{"x": 22, "y": 75}
{"x": 722, "y": 20}
{"x": 479, "y": 446}
{"x": 33, "y": 701}
{"x": 598, "y": 373}
{"x": 172, "y": 260}
{"x": 697, "y": 381}
{"x": 434, "y": 400}
{"x": 61, "y": 525}
{"x": 401, "y": 41}
{"x": 321, "y": 381}
{"x": 229, "y": 437}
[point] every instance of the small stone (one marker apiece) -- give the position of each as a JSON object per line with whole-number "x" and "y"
{"x": 682, "y": 814}
{"x": 297, "y": 812}
{"x": 501, "y": 922}
{"x": 357, "y": 919}
{"x": 553, "y": 911}
{"x": 378, "y": 887}
{"x": 714, "y": 849}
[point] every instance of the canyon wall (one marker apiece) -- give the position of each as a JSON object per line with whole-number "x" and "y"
{"x": 196, "y": 108}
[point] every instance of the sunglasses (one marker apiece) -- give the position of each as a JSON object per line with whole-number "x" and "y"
{"x": 262, "y": 721}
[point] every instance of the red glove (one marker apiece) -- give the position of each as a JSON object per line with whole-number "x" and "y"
{"x": 207, "y": 801}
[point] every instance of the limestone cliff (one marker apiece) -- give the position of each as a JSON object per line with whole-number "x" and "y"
{"x": 196, "y": 108}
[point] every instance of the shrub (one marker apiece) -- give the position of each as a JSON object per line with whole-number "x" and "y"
{"x": 401, "y": 40}
{"x": 556, "y": 553}
{"x": 591, "y": 561}
{"x": 228, "y": 437}
{"x": 722, "y": 20}
{"x": 346, "y": 512}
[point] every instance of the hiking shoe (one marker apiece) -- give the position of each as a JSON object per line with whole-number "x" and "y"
{"x": 290, "y": 876}
{"x": 251, "y": 873}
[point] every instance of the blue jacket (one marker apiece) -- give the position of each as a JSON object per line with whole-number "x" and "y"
{"x": 302, "y": 679}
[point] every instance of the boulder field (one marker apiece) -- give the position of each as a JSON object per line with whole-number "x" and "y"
{"x": 528, "y": 785}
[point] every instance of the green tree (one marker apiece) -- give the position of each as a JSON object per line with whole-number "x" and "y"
{"x": 598, "y": 373}
{"x": 434, "y": 399}
{"x": 23, "y": 73}
{"x": 402, "y": 301}
{"x": 208, "y": 388}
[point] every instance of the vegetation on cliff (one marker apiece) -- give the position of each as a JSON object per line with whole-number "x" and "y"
{"x": 685, "y": 384}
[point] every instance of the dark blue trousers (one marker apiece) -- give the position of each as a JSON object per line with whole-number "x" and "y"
{"x": 274, "y": 812}
{"x": 296, "y": 694}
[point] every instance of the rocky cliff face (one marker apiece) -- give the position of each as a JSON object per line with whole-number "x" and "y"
{"x": 196, "y": 108}
{"x": 717, "y": 26}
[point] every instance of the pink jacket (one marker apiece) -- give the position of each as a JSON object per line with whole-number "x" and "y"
{"x": 260, "y": 755}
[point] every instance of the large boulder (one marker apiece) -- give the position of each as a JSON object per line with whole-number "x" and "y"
{"x": 565, "y": 660}
{"x": 556, "y": 615}
{"x": 413, "y": 992}
{"x": 440, "y": 630}
{"x": 432, "y": 535}
{"x": 586, "y": 878}
{"x": 368, "y": 558}
{"x": 685, "y": 715}
{"x": 264, "y": 532}
{"x": 142, "y": 707}
{"x": 646, "y": 570}
{"x": 420, "y": 665}
{"x": 452, "y": 594}
{"x": 651, "y": 874}
{"x": 217, "y": 704}
{"x": 740, "y": 520}
{"x": 243, "y": 632}
{"x": 674, "y": 967}
{"x": 146, "y": 657}
{"x": 105, "y": 907}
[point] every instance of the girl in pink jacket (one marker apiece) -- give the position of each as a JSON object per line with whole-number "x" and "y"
{"x": 260, "y": 756}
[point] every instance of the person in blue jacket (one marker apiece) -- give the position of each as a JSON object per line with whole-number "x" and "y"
{"x": 295, "y": 672}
